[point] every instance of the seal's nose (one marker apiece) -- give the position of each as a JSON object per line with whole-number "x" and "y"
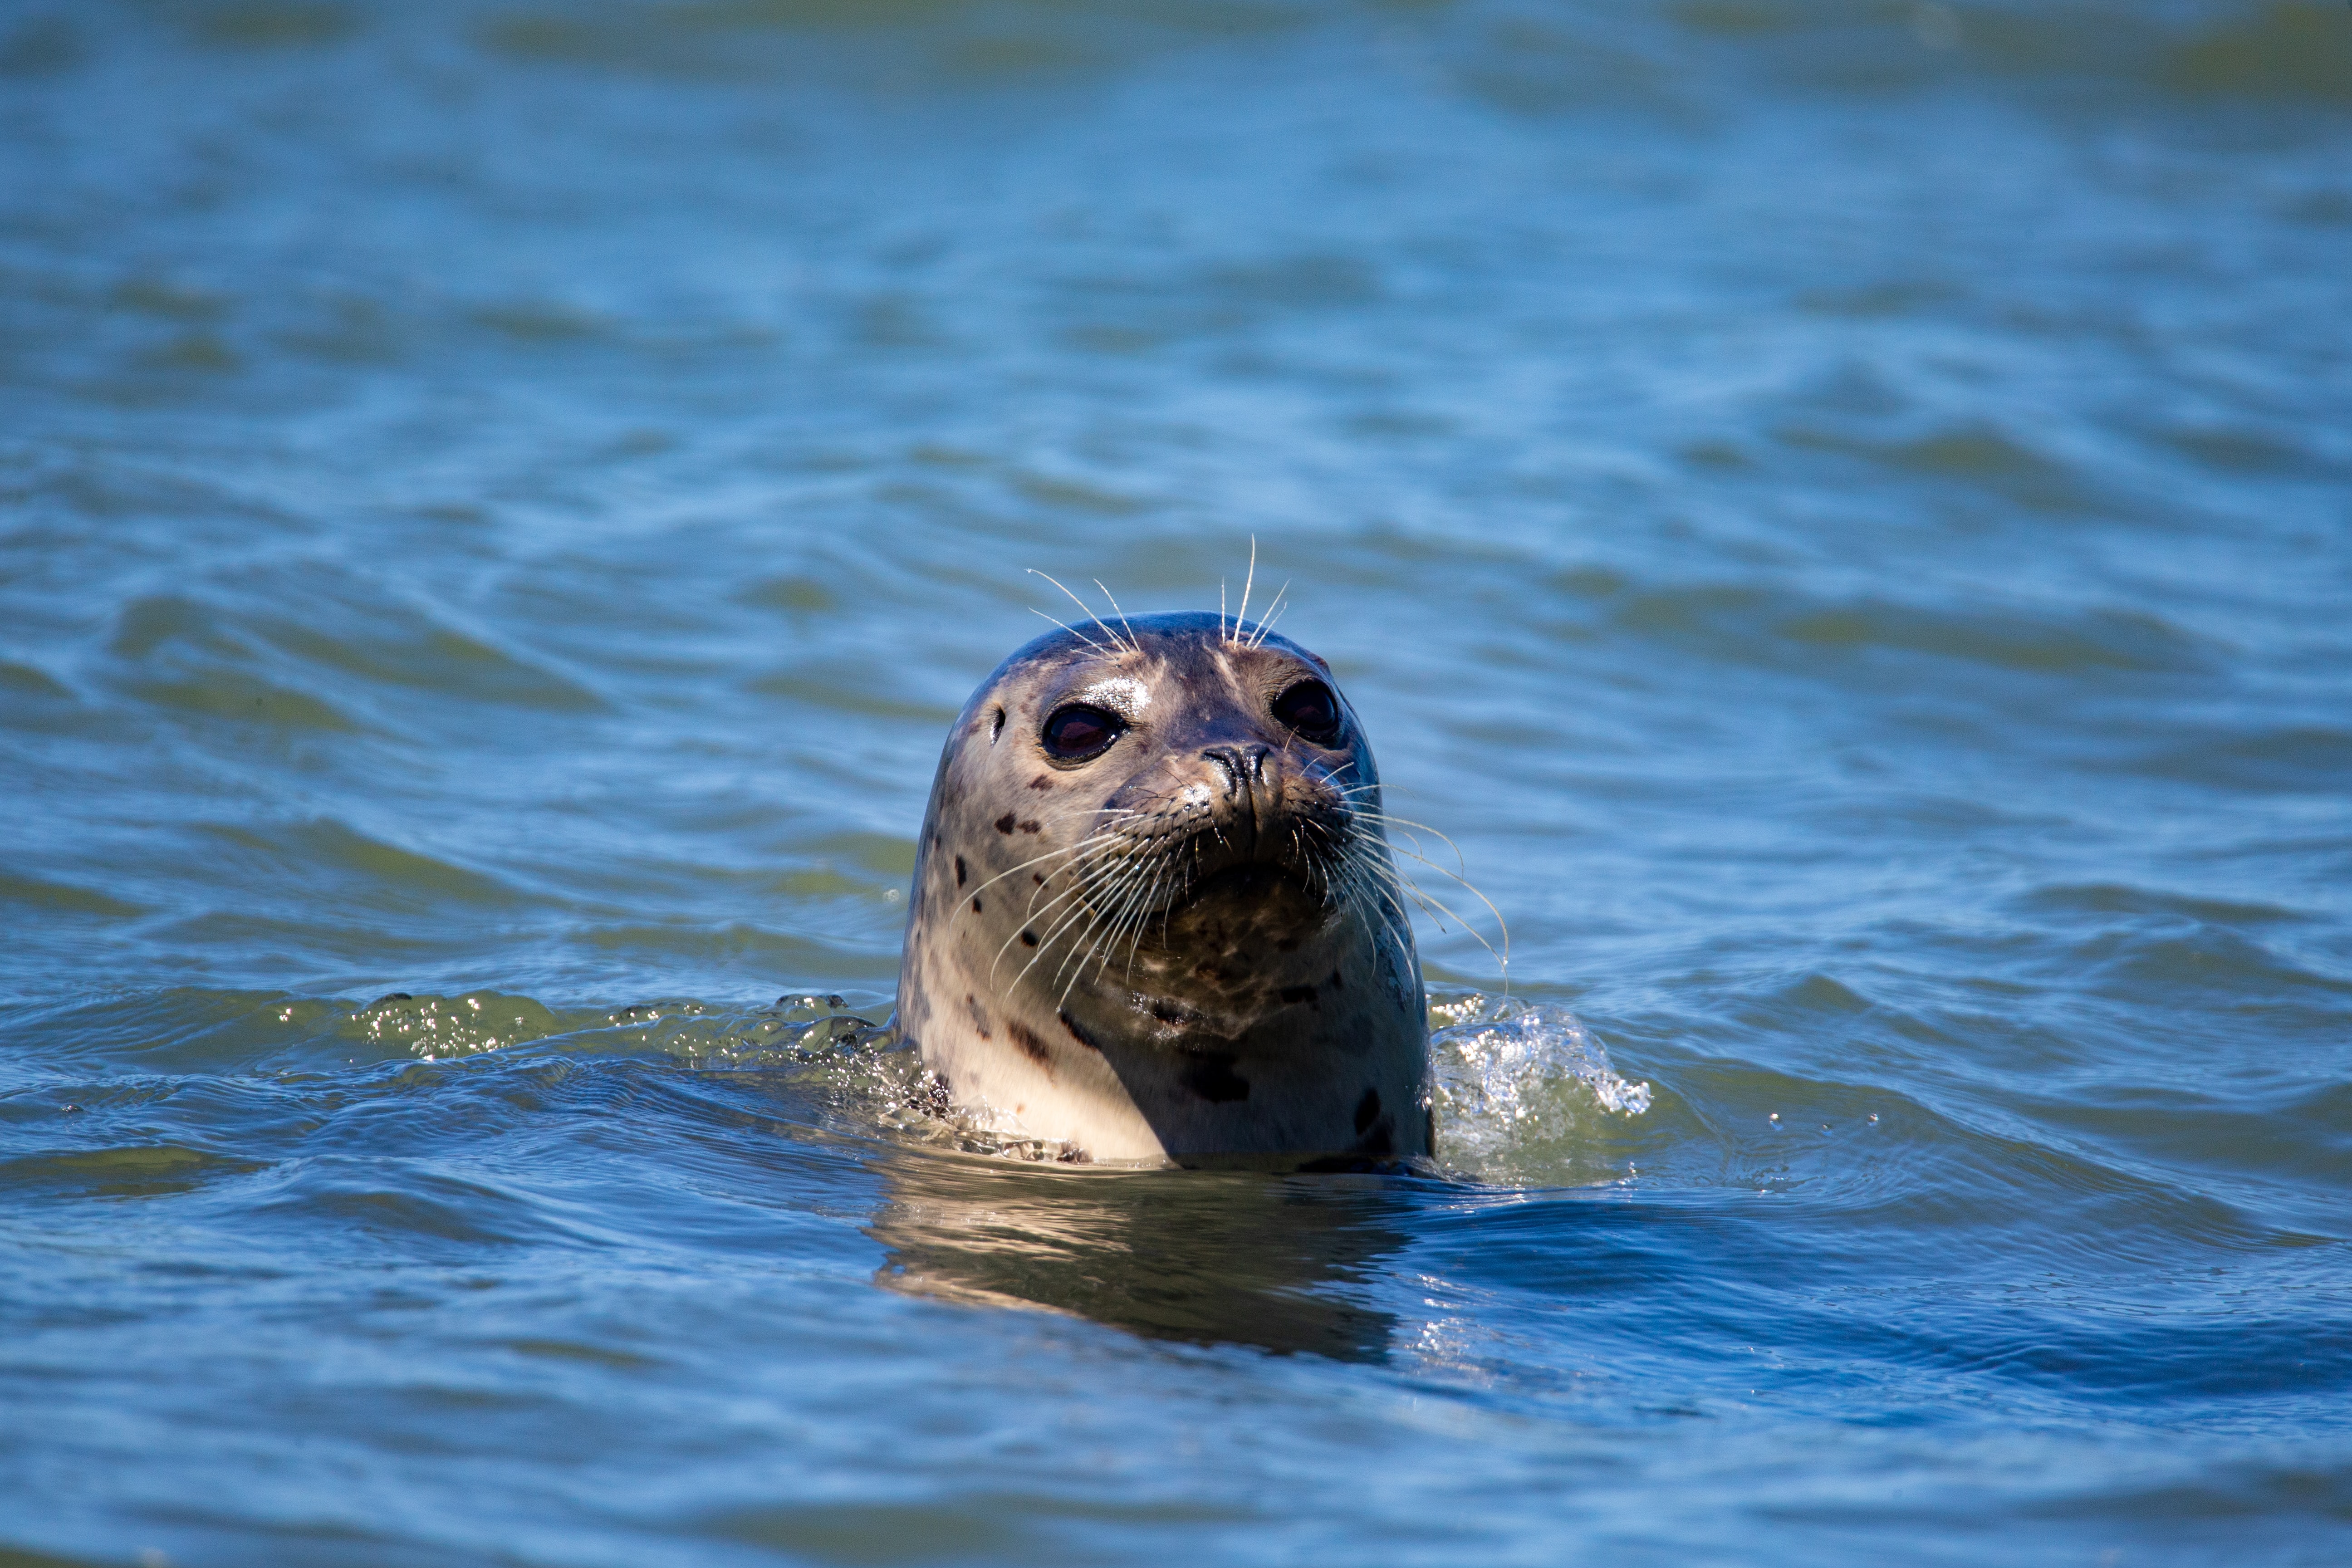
{"x": 1241, "y": 765}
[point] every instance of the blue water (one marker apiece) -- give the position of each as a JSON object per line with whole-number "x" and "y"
{"x": 1842, "y": 512}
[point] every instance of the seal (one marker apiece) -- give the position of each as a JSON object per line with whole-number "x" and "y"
{"x": 1155, "y": 917}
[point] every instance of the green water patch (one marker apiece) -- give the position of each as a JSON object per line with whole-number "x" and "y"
{"x": 399, "y": 646}
{"x": 274, "y": 24}
{"x": 15, "y": 1557}
{"x": 323, "y": 623}
{"x": 754, "y": 950}
{"x": 795, "y": 597}
{"x": 2281, "y": 50}
{"x": 23, "y": 681}
{"x": 848, "y": 688}
{"x": 41, "y": 47}
{"x": 1782, "y": 625}
{"x": 2286, "y": 50}
{"x": 241, "y": 699}
{"x": 140, "y": 1170}
{"x": 2103, "y": 899}
{"x": 2308, "y": 758}
{"x": 58, "y": 898}
{"x": 1978, "y": 457}
{"x": 2085, "y": 643}
{"x": 195, "y": 661}
{"x": 406, "y": 1204}
{"x": 171, "y": 1031}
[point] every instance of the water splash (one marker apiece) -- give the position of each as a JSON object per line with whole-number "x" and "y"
{"x": 1524, "y": 1094}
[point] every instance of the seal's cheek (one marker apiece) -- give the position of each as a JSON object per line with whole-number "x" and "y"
{"x": 1210, "y": 1075}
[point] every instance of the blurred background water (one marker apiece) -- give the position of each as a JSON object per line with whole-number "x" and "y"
{"x": 1839, "y": 507}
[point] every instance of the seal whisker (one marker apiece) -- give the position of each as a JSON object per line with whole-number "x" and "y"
{"x": 1268, "y": 616}
{"x": 1385, "y": 820}
{"x": 1143, "y": 921}
{"x": 1080, "y": 887}
{"x": 1078, "y": 956}
{"x": 1068, "y": 918}
{"x": 1065, "y": 625}
{"x": 1435, "y": 906}
{"x": 1133, "y": 646}
{"x": 1092, "y": 618}
{"x": 1053, "y": 854}
{"x": 1145, "y": 906}
{"x": 1076, "y": 888}
{"x": 1242, "y": 615}
{"x": 1369, "y": 880}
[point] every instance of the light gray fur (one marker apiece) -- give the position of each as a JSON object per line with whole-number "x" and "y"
{"x": 1208, "y": 977}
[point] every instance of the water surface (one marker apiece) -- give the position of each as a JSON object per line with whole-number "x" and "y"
{"x": 1840, "y": 510}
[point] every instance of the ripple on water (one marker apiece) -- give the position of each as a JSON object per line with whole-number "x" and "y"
{"x": 1835, "y": 505}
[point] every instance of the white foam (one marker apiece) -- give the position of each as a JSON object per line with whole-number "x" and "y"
{"x": 1523, "y": 1093}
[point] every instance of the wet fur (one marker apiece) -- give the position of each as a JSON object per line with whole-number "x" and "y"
{"x": 1159, "y": 954}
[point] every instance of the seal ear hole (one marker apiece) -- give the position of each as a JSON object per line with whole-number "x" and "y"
{"x": 1310, "y": 707}
{"x": 996, "y": 727}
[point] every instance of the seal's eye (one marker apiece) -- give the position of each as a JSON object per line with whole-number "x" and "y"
{"x": 1309, "y": 707}
{"x": 1079, "y": 731}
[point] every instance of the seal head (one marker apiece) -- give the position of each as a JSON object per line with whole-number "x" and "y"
{"x": 1154, "y": 915}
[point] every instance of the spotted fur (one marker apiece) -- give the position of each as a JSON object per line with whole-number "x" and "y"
{"x": 1190, "y": 945}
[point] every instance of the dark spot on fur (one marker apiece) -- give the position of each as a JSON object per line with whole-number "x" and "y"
{"x": 1005, "y": 823}
{"x": 1080, "y": 1035}
{"x": 980, "y": 1021}
{"x": 1212, "y": 1077}
{"x": 961, "y": 872}
{"x": 975, "y": 903}
{"x": 1287, "y": 944}
{"x": 1028, "y": 939}
{"x": 1382, "y": 1142}
{"x": 1035, "y": 1049}
{"x": 1038, "y": 878}
{"x": 1336, "y": 983}
{"x": 1030, "y": 826}
{"x": 1365, "y": 1109}
{"x": 1041, "y": 782}
{"x": 1293, "y": 994}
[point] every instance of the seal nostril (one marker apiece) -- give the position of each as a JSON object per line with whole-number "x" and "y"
{"x": 1231, "y": 762}
{"x": 1226, "y": 766}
